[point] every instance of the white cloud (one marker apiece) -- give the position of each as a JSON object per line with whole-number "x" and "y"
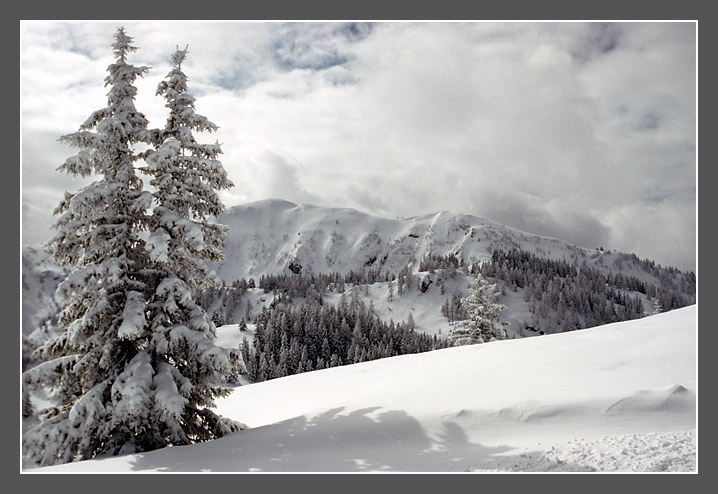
{"x": 549, "y": 127}
{"x": 662, "y": 231}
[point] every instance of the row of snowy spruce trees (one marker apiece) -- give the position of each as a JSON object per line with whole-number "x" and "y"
{"x": 135, "y": 367}
{"x": 291, "y": 339}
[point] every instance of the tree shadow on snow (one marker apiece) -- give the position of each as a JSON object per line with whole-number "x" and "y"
{"x": 364, "y": 440}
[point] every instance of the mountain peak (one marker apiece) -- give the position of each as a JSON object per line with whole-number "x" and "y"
{"x": 268, "y": 236}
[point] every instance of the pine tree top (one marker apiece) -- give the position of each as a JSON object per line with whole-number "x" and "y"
{"x": 123, "y": 44}
{"x": 179, "y": 55}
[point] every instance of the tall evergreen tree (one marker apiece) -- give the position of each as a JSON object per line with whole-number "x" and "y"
{"x": 186, "y": 176}
{"x": 136, "y": 361}
{"x": 103, "y": 319}
{"x": 483, "y": 311}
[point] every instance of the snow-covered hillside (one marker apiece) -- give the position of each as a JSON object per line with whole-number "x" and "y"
{"x": 276, "y": 237}
{"x": 40, "y": 277}
{"x": 266, "y": 237}
{"x": 620, "y": 397}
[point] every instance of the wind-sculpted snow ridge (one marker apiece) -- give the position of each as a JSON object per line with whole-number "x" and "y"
{"x": 616, "y": 398}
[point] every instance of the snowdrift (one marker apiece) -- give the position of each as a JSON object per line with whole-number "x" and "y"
{"x": 616, "y": 397}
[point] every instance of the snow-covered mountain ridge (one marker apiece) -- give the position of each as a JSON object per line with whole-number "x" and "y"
{"x": 273, "y": 236}
{"x": 276, "y": 237}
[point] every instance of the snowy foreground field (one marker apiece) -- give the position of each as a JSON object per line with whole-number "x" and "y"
{"x": 620, "y": 397}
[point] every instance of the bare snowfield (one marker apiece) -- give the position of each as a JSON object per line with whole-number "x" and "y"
{"x": 620, "y": 397}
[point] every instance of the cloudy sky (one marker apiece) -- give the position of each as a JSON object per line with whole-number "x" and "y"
{"x": 581, "y": 131}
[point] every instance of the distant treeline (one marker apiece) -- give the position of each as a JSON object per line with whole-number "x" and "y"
{"x": 583, "y": 296}
{"x": 285, "y": 288}
{"x": 561, "y": 296}
{"x": 291, "y": 339}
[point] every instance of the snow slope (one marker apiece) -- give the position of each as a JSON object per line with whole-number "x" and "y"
{"x": 40, "y": 277}
{"x": 276, "y": 237}
{"x": 620, "y": 397}
{"x": 266, "y": 236}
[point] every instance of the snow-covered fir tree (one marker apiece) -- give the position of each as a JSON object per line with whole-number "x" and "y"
{"x": 99, "y": 236}
{"x": 483, "y": 311}
{"x": 120, "y": 383}
{"x": 186, "y": 176}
